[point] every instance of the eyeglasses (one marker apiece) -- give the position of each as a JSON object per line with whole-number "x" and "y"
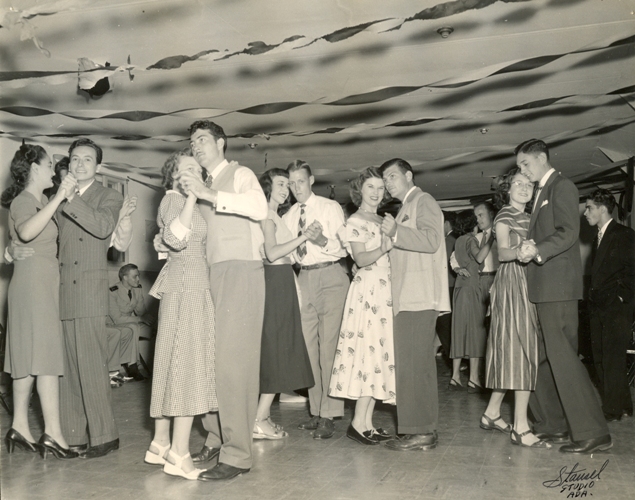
{"x": 526, "y": 185}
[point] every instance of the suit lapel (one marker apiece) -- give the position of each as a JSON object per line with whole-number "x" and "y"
{"x": 541, "y": 198}
{"x": 605, "y": 244}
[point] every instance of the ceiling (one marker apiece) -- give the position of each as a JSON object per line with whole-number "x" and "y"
{"x": 341, "y": 84}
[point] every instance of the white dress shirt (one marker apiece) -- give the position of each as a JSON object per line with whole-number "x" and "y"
{"x": 330, "y": 215}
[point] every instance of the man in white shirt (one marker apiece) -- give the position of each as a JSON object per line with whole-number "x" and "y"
{"x": 232, "y": 202}
{"x": 323, "y": 287}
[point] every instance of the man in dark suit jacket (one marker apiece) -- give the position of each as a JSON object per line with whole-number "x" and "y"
{"x": 564, "y": 396}
{"x": 444, "y": 321}
{"x": 611, "y": 301}
{"x": 86, "y": 222}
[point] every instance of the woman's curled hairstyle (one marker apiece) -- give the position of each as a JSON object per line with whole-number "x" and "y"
{"x": 171, "y": 165}
{"x": 20, "y": 171}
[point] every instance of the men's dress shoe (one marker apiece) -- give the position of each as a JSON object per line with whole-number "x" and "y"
{"x": 588, "y": 446}
{"x": 325, "y": 429}
{"x": 134, "y": 373}
{"x": 362, "y": 438}
{"x": 410, "y": 442}
{"x": 380, "y": 435}
{"x": 221, "y": 471}
{"x": 101, "y": 449}
{"x": 205, "y": 455}
{"x": 310, "y": 425}
{"x": 79, "y": 448}
{"x": 555, "y": 438}
{"x": 612, "y": 417}
{"x": 627, "y": 413}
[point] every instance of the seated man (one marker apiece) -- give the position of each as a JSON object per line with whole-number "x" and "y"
{"x": 122, "y": 353}
{"x": 127, "y": 308}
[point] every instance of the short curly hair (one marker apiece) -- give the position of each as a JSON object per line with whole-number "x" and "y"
{"x": 356, "y": 185}
{"x": 170, "y": 165}
{"x": 603, "y": 197}
{"x": 215, "y": 130}
{"x": 501, "y": 196}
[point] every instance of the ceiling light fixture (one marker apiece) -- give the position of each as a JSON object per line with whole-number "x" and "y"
{"x": 445, "y": 31}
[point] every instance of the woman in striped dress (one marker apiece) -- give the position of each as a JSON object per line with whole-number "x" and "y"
{"x": 512, "y": 348}
{"x": 184, "y": 382}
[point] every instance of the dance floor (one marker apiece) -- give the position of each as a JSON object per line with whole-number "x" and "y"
{"x": 469, "y": 463}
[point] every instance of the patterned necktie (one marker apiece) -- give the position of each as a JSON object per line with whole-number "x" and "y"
{"x": 599, "y": 238}
{"x": 208, "y": 181}
{"x": 301, "y": 226}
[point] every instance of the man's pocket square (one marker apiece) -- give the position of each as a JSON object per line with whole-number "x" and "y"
{"x": 544, "y": 203}
{"x": 405, "y": 218}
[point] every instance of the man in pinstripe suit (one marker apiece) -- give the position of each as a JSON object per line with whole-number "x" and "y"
{"x": 86, "y": 222}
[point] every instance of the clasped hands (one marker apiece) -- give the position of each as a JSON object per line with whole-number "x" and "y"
{"x": 68, "y": 187}
{"x": 193, "y": 185}
{"x": 313, "y": 233}
{"x": 527, "y": 251}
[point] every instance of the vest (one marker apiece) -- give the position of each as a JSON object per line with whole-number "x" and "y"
{"x": 228, "y": 235}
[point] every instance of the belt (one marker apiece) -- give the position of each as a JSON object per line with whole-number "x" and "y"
{"x": 319, "y": 266}
{"x": 488, "y": 273}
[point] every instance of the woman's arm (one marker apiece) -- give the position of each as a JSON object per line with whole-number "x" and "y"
{"x": 363, "y": 257}
{"x": 33, "y": 226}
{"x": 505, "y": 254}
{"x": 480, "y": 254}
{"x": 273, "y": 250}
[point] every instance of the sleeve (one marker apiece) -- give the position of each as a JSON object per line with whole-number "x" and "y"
{"x": 100, "y": 221}
{"x": 427, "y": 236}
{"x": 169, "y": 211}
{"x": 453, "y": 262}
{"x": 22, "y": 209}
{"x": 248, "y": 200}
{"x": 140, "y": 304}
{"x": 334, "y": 221}
{"x": 566, "y": 221}
{"x": 626, "y": 288}
{"x": 122, "y": 235}
{"x": 113, "y": 308}
{"x": 472, "y": 245}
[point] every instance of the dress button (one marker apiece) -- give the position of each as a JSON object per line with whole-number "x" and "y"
{"x": 81, "y": 239}
{"x": 74, "y": 282}
{"x": 76, "y": 262}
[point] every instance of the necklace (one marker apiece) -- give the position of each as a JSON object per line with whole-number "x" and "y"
{"x": 367, "y": 211}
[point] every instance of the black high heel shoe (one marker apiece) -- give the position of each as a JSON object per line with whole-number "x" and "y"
{"x": 48, "y": 444}
{"x": 13, "y": 438}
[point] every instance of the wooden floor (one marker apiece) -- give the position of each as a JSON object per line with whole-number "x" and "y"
{"x": 469, "y": 463}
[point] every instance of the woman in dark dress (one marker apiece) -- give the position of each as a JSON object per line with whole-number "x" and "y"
{"x": 468, "y": 330}
{"x": 34, "y": 331}
{"x": 284, "y": 361}
{"x": 512, "y": 348}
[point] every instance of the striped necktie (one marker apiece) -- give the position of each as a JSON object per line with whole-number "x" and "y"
{"x": 301, "y": 227}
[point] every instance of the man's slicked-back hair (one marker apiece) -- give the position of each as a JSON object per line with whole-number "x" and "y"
{"x": 87, "y": 142}
{"x": 296, "y": 165}
{"x": 532, "y": 147}
{"x": 216, "y": 131}
{"x": 403, "y": 165}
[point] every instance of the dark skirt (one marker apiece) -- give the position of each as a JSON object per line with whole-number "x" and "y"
{"x": 284, "y": 361}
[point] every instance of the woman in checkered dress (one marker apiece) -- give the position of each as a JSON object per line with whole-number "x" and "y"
{"x": 184, "y": 382}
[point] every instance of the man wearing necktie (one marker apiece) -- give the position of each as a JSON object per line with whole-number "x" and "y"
{"x": 611, "y": 303}
{"x": 127, "y": 308}
{"x": 232, "y": 203}
{"x": 323, "y": 287}
{"x": 564, "y": 404}
{"x": 86, "y": 223}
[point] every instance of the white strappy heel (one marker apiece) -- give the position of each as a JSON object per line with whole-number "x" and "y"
{"x": 153, "y": 458}
{"x": 176, "y": 468}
